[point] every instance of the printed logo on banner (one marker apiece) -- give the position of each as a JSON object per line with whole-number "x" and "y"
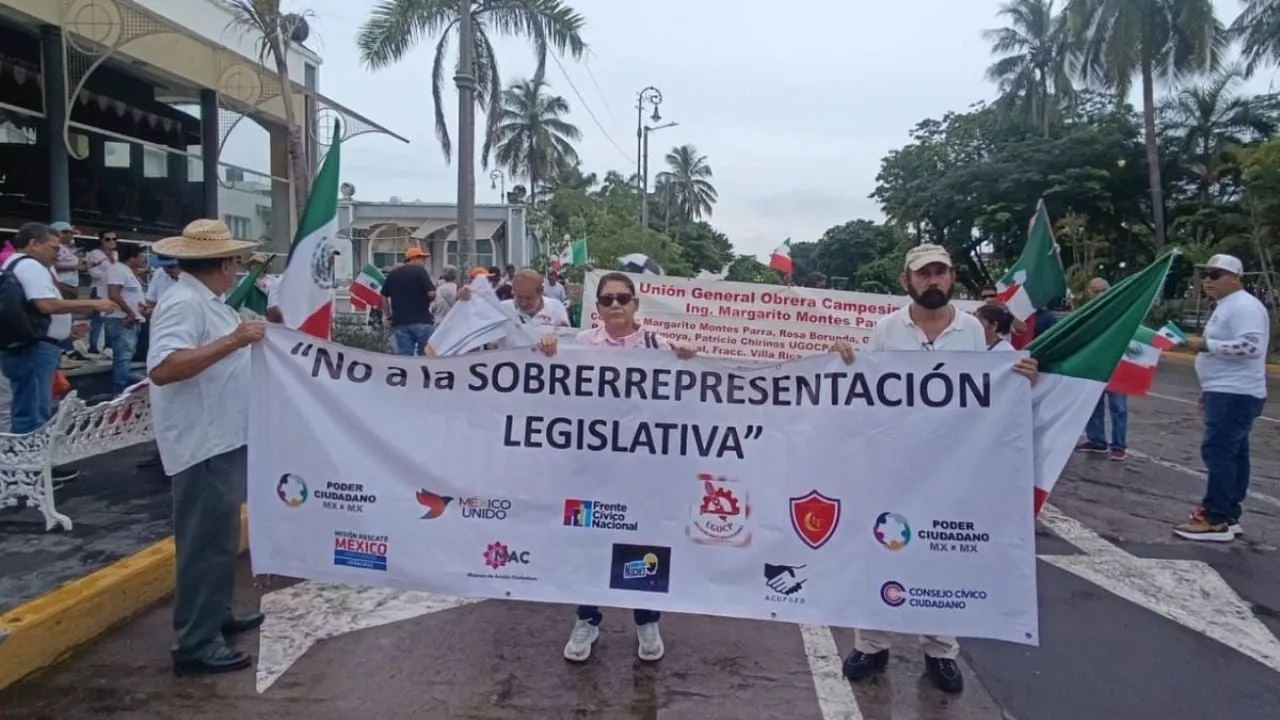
{"x": 505, "y": 563}
{"x": 785, "y": 583}
{"x": 484, "y": 508}
{"x": 598, "y": 515}
{"x": 956, "y": 536}
{"x": 892, "y": 531}
{"x": 360, "y": 550}
{"x": 895, "y": 594}
{"x": 344, "y": 496}
{"x": 292, "y": 490}
{"x": 815, "y": 518}
{"x": 719, "y": 514}
{"x": 435, "y": 504}
{"x": 643, "y": 568}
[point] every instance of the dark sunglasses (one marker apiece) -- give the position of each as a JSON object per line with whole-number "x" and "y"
{"x": 1215, "y": 274}
{"x": 108, "y": 238}
{"x": 620, "y": 298}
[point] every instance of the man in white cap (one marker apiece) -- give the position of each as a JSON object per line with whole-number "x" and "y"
{"x": 198, "y": 364}
{"x": 1232, "y": 367}
{"x": 930, "y": 323}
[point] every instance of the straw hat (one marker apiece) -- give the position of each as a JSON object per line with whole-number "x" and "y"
{"x": 261, "y": 258}
{"x": 203, "y": 239}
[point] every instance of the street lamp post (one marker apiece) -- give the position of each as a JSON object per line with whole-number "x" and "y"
{"x": 496, "y": 177}
{"x": 644, "y": 171}
{"x": 465, "y": 79}
{"x": 653, "y": 96}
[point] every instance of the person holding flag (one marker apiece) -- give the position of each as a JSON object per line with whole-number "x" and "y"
{"x": 1118, "y": 404}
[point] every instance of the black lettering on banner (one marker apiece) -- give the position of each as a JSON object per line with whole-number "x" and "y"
{"x": 616, "y": 436}
{"x": 397, "y": 377}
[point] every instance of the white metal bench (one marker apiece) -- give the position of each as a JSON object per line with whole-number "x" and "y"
{"x": 76, "y": 432}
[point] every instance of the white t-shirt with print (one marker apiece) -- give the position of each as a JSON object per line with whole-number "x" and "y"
{"x": 553, "y": 313}
{"x": 99, "y": 263}
{"x": 130, "y": 289}
{"x": 38, "y": 284}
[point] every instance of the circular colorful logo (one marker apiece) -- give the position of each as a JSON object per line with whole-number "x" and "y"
{"x": 292, "y": 490}
{"x": 892, "y": 530}
{"x": 893, "y": 594}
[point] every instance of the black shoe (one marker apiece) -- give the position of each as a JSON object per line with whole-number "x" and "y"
{"x": 92, "y": 351}
{"x": 62, "y": 474}
{"x": 944, "y": 674}
{"x": 242, "y": 624}
{"x": 77, "y": 356}
{"x": 223, "y": 660}
{"x": 860, "y": 665}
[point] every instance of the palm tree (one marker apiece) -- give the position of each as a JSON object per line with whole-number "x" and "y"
{"x": 570, "y": 178}
{"x": 397, "y": 26}
{"x": 689, "y": 182}
{"x": 1258, "y": 29}
{"x": 532, "y": 139}
{"x": 1211, "y": 120}
{"x": 1165, "y": 39}
{"x": 274, "y": 31}
{"x": 1034, "y": 68}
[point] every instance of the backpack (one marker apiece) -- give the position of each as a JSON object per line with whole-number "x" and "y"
{"x": 20, "y": 323}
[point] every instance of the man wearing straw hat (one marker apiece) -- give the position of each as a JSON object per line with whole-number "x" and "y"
{"x": 199, "y": 370}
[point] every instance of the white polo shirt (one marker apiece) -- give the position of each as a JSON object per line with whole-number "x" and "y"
{"x": 37, "y": 284}
{"x": 898, "y": 332}
{"x": 130, "y": 289}
{"x": 207, "y": 415}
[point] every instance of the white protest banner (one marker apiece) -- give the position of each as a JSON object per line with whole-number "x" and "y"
{"x": 893, "y": 494}
{"x": 751, "y": 321}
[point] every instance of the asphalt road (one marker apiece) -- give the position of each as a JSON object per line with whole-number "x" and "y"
{"x": 1125, "y": 633}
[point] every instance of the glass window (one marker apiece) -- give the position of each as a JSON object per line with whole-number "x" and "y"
{"x": 195, "y": 164}
{"x": 155, "y": 162}
{"x": 386, "y": 259}
{"x": 115, "y": 154}
{"x": 241, "y": 227}
{"x": 18, "y": 130}
{"x": 484, "y": 253}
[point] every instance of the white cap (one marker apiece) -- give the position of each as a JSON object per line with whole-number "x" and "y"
{"x": 921, "y": 255}
{"x": 1226, "y": 263}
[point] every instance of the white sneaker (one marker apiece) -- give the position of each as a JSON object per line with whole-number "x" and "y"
{"x": 1236, "y": 529}
{"x": 578, "y": 649}
{"x": 651, "y": 648}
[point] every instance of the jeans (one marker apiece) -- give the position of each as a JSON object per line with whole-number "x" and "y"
{"x": 123, "y": 341}
{"x": 592, "y": 613}
{"x": 412, "y": 339}
{"x": 30, "y": 372}
{"x": 1096, "y": 429}
{"x": 95, "y": 323}
{"x": 1228, "y": 420}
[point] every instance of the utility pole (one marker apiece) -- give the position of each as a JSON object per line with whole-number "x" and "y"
{"x": 644, "y": 172}
{"x": 653, "y": 96}
{"x": 466, "y": 82}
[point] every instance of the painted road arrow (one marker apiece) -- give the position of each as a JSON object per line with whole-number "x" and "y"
{"x": 1188, "y": 592}
{"x": 301, "y": 615}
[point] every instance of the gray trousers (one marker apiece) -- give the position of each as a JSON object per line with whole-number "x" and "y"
{"x": 206, "y": 530}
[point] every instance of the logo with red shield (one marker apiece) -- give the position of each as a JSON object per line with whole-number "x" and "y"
{"x": 815, "y": 517}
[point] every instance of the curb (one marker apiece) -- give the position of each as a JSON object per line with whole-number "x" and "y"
{"x": 1273, "y": 369}
{"x": 41, "y": 632}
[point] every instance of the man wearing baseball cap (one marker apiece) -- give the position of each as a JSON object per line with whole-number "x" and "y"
{"x": 930, "y": 323}
{"x": 406, "y": 303}
{"x": 1232, "y": 367}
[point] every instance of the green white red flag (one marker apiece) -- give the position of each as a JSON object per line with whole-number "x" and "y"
{"x": 780, "y": 260}
{"x": 306, "y": 290}
{"x": 1137, "y": 369}
{"x": 1036, "y": 279}
{"x": 366, "y": 291}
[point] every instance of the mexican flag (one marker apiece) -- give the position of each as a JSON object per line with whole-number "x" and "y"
{"x": 366, "y": 291}
{"x": 1137, "y": 369}
{"x": 306, "y": 290}
{"x": 1037, "y": 278}
{"x": 1077, "y": 358}
{"x": 780, "y": 260}
{"x": 574, "y": 254}
{"x": 1168, "y": 337}
{"x": 248, "y": 295}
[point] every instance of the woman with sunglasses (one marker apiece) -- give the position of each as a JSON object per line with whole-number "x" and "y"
{"x": 617, "y": 303}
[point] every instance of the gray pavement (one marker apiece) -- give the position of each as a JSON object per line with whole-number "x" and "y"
{"x": 1105, "y": 651}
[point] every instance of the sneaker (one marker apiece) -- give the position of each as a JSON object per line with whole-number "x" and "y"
{"x": 1117, "y": 455}
{"x": 944, "y": 674}
{"x": 61, "y": 475}
{"x": 1236, "y": 528}
{"x": 1203, "y": 531}
{"x": 92, "y": 351}
{"x": 1090, "y": 446}
{"x": 584, "y": 634}
{"x": 69, "y": 363}
{"x": 77, "y": 356}
{"x": 650, "y": 647}
{"x": 860, "y": 666}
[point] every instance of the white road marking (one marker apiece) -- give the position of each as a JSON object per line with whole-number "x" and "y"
{"x": 301, "y": 615}
{"x": 1188, "y": 592}
{"x": 835, "y": 696}
{"x": 1185, "y": 401}
{"x": 1253, "y": 495}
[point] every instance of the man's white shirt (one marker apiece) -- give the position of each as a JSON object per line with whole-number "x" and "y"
{"x": 1236, "y": 340}
{"x": 159, "y": 284}
{"x": 38, "y": 284}
{"x": 130, "y": 289}
{"x": 897, "y": 331}
{"x": 552, "y": 313}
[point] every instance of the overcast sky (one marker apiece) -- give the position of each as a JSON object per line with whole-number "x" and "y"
{"x": 793, "y": 108}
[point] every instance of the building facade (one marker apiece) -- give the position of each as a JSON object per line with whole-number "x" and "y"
{"x": 114, "y": 115}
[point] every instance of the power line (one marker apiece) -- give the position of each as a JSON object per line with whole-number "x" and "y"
{"x": 607, "y": 107}
{"x": 589, "y": 111}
